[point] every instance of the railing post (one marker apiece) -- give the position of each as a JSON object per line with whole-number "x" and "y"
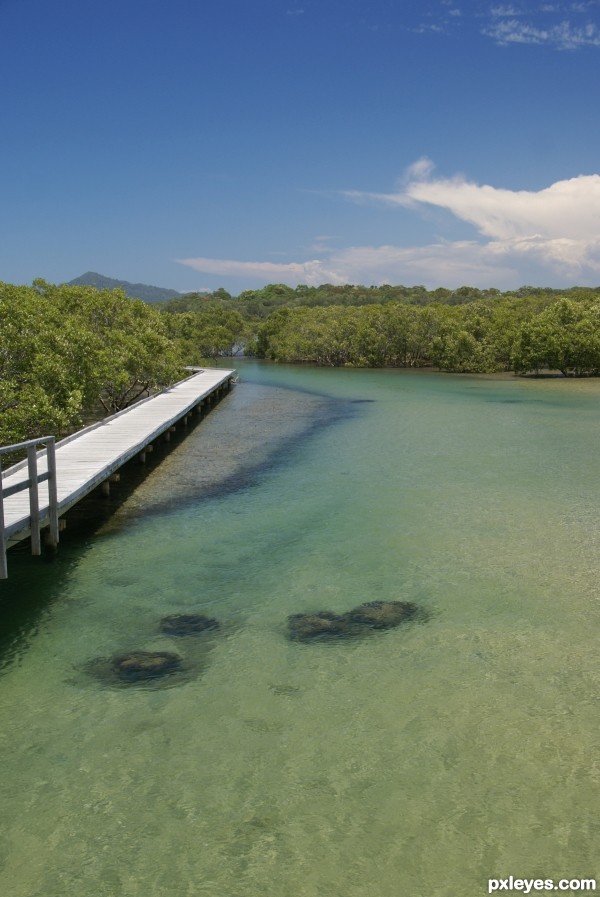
{"x": 3, "y": 563}
{"x": 34, "y": 501}
{"x": 52, "y": 493}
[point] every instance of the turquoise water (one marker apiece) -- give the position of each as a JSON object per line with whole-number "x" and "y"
{"x": 419, "y": 761}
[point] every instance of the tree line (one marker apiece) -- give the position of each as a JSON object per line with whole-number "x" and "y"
{"x": 463, "y": 330}
{"x": 69, "y": 354}
{"x": 484, "y": 336}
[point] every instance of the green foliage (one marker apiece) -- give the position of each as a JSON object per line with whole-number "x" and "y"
{"x": 37, "y": 393}
{"x": 365, "y": 336}
{"x": 211, "y": 332}
{"x": 564, "y": 337}
{"x": 115, "y": 348}
{"x": 65, "y": 351}
{"x": 491, "y": 333}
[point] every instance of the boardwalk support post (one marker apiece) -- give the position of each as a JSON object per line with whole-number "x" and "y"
{"x": 34, "y": 501}
{"x": 3, "y": 564}
{"x": 53, "y": 534}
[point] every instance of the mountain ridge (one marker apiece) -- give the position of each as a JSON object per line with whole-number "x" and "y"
{"x": 144, "y": 291}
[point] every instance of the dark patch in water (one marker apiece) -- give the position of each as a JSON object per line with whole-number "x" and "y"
{"x": 323, "y": 624}
{"x": 27, "y": 597}
{"x": 263, "y": 429}
{"x": 188, "y": 624}
{"x": 383, "y": 614}
{"x": 146, "y": 668}
{"x": 140, "y": 665}
{"x": 374, "y": 615}
{"x": 514, "y": 401}
{"x": 286, "y": 691}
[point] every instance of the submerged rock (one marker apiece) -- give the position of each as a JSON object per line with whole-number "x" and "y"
{"x": 188, "y": 624}
{"x": 358, "y": 621}
{"x": 140, "y": 665}
{"x": 323, "y": 624}
{"x": 146, "y": 669}
{"x": 382, "y": 614}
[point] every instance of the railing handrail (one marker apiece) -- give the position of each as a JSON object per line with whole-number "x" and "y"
{"x": 32, "y": 482}
{"x": 7, "y": 449}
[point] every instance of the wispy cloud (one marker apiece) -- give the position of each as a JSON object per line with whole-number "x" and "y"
{"x": 562, "y": 36}
{"x": 436, "y": 265}
{"x": 505, "y": 11}
{"x": 558, "y": 25}
{"x": 297, "y": 272}
{"x": 546, "y": 236}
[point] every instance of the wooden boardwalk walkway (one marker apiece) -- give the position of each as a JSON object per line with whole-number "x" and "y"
{"x": 90, "y": 457}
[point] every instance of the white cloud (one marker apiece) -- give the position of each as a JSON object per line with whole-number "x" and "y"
{"x": 436, "y": 265}
{"x": 562, "y": 36}
{"x": 550, "y": 236}
{"x": 422, "y": 168}
{"x": 557, "y": 24}
{"x": 567, "y": 207}
{"x": 299, "y": 272}
{"x": 504, "y": 11}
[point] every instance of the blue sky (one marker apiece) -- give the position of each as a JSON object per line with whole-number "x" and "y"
{"x": 197, "y": 144}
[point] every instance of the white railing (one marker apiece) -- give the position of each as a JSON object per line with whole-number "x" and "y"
{"x": 32, "y": 483}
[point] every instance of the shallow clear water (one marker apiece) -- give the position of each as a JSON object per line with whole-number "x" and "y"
{"x": 419, "y": 761}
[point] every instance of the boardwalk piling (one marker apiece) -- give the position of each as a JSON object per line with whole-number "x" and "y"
{"x": 34, "y": 501}
{"x": 3, "y": 565}
{"x": 52, "y": 538}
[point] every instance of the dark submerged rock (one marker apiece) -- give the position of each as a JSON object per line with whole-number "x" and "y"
{"x": 325, "y": 624}
{"x": 321, "y": 625}
{"x": 141, "y": 665}
{"x": 382, "y": 614}
{"x": 188, "y": 624}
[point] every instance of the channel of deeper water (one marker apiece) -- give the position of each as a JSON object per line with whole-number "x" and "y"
{"x": 416, "y": 762}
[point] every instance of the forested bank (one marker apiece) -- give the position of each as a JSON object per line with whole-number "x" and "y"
{"x": 463, "y": 330}
{"x": 70, "y": 354}
{"x": 486, "y": 336}
{"x": 74, "y": 353}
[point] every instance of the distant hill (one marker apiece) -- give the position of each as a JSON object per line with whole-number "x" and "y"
{"x": 134, "y": 290}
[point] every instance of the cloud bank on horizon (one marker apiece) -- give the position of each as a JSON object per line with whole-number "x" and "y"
{"x": 554, "y": 231}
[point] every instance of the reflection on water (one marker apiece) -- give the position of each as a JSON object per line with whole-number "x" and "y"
{"x": 421, "y": 760}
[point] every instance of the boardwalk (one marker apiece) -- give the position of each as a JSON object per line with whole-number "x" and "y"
{"x": 90, "y": 457}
